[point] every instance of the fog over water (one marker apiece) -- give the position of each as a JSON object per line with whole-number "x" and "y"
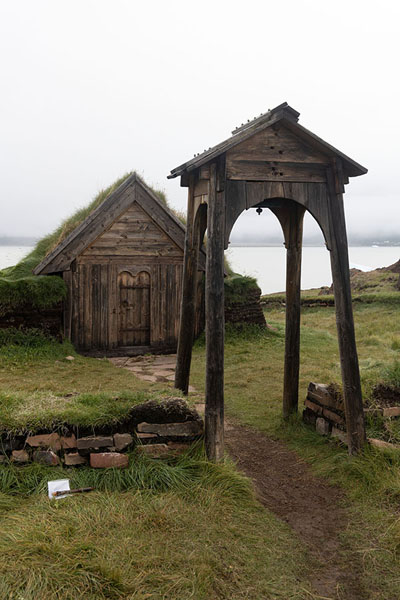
{"x": 268, "y": 264}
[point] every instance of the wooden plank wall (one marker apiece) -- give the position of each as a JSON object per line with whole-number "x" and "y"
{"x": 92, "y": 308}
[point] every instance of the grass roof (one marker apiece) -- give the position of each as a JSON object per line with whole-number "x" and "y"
{"x": 19, "y": 287}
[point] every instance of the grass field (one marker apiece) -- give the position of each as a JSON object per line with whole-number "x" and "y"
{"x": 187, "y": 529}
{"x": 253, "y": 393}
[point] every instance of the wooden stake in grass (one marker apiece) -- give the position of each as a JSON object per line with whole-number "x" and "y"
{"x": 75, "y": 491}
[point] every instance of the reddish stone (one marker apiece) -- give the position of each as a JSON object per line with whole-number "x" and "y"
{"x": 20, "y": 456}
{"x": 48, "y": 440}
{"x": 105, "y": 460}
{"x": 74, "y": 458}
{"x": 68, "y": 442}
{"x": 46, "y": 457}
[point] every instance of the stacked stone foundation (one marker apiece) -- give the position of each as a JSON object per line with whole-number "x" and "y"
{"x": 324, "y": 410}
{"x": 110, "y": 447}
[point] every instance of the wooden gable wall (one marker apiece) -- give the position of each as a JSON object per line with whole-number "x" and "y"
{"x": 276, "y": 154}
{"x": 133, "y": 234}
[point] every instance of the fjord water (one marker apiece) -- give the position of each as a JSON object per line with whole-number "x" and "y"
{"x": 268, "y": 263}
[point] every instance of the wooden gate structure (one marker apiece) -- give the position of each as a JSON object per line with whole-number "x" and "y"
{"x": 270, "y": 162}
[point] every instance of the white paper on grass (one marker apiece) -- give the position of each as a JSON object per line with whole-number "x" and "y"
{"x": 58, "y": 485}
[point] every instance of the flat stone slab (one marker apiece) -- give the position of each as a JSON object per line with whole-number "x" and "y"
{"x": 87, "y": 443}
{"x": 107, "y": 460}
{"x": 50, "y": 440}
{"x": 73, "y": 459}
{"x": 391, "y": 411}
{"x": 155, "y": 450}
{"x": 150, "y": 378}
{"x": 178, "y": 447}
{"x": 20, "y": 456}
{"x": 339, "y": 434}
{"x": 188, "y": 428}
{"x": 163, "y": 373}
{"x": 122, "y": 441}
{"x": 321, "y": 426}
{"x": 68, "y": 442}
{"x": 381, "y": 444}
{"x": 146, "y": 436}
{"x": 46, "y": 457}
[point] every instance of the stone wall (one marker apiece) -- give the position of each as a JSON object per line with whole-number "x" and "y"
{"x": 247, "y": 311}
{"x": 50, "y": 320}
{"x": 170, "y": 428}
{"x": 324, "y": 410}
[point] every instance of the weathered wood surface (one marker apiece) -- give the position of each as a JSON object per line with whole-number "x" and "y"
{"x": 142, "y": 241}
{"x": 134, "y": 309}
{"x": 96, "y": 306}
{"x": 188, "y": 302}
{"x": 103, "y": 217}
{"x": 282, "y": 115}
{"x": 344, "y": 316}
{"x": 291, "y": 217}
{"x": 276, "y": 163}
{"x": 215, "y": 326}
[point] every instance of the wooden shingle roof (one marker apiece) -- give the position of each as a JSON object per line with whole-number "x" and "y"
{"x": 282, "y": 113}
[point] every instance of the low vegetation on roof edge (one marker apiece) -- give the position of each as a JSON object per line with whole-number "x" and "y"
{"x": 19, "y": 287}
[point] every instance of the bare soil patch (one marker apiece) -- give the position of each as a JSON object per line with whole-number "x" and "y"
{"x": 312, "y": 508}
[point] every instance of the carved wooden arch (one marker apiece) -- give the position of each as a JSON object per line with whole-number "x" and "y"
{"x": 281, "y": 199}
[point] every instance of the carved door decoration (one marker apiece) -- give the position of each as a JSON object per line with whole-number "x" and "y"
{"x": 134, "y": 309}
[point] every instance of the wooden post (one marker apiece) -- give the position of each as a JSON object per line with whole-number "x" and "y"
{"x": 344, "y": 314}
{"x": 215, "y": 326}
{"x": 294, "y": 238}
{"x": 188, "y": 304}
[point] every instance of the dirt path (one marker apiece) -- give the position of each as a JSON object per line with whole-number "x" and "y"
{"x": 312, "y": 508}
{"x": 286, "y": 486}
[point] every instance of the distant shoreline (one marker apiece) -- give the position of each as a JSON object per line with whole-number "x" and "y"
{"x": 372, "y": 245}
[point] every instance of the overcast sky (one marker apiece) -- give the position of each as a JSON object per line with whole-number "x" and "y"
{"x": 91, "y": 89}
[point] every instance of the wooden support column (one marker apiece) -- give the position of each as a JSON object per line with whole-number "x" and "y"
{"x": 291, "y": 216}
{"x": 344, "y": 313}
{"x": 188, "y": 304}
{"x": 215, "y": 326}
{"x": 292, "y": 330}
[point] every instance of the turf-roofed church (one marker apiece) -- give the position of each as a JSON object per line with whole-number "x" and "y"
{"x": 123, "y": 269}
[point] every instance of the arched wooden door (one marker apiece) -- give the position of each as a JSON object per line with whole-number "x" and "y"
{"x": 134, "y": 309}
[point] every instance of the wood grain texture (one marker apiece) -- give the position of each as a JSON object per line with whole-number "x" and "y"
{"x": 188, "y": 301}
{"x": 355, "y": 422}
{"x": 215, "y": 323}
{"x": 291, "y": 216}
